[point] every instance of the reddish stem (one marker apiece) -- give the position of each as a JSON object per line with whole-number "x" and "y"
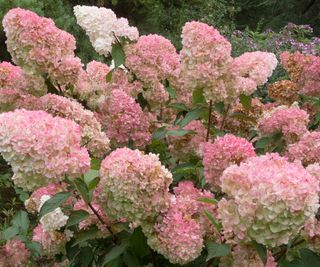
{"x": 103, "y": 222}
{"x": 224, "y": 117}
{"x": 209, "y": 120}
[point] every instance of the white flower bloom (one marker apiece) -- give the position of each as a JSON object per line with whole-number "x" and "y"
{"x": 54, "y": 220}
{"x": 102, "y": 27}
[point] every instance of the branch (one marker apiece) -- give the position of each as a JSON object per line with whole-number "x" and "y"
{"x": 209, "y": 121}
{"x": 103, "y": 222}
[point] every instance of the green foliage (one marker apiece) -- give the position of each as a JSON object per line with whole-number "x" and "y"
{"x": 53, "y": 203}
{"x": 217, "y": 250}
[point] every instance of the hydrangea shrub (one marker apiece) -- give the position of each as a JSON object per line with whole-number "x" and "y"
{"x": 163, "y": 157}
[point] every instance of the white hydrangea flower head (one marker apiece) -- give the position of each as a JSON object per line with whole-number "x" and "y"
{"x": 103, "y": 27}
{"x": 54, "y": 220}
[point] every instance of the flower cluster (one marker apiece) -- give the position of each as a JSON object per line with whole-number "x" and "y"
{"x": 103, "y": 27}
{"x": 52, "y": 242}
{"x": 179, "y": 233}
{"x": 92, "y": 136}
{"x": 284, "y": 92}
{"x": 41, "y": 149}
{"x": 36, "y": 44}
{"x": 246, "y": 256}
{"x": 290, "y": 121}
{"x": 15, "y": 82}
{"x": 14, "y": 254}
{"x": 269, "y": 201}
{"x": 133, "y": 185}
{"x": 208, "y": 64}
{"x": 222, "y": 153}
{"x": 307, "y": 150}
{"x": 254, "y": 66}
{"x": 153, "y": 59}
{"x": 124, "y": 120}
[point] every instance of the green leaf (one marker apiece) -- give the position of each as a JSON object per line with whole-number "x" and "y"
{"x": 118, "y": 55}
{"x": 262, "y": 142}
{"x": 192, "y": 115}
{"x": 10, "y": 232}
{"x": 219, "y": 107}
{"x": 197, "y": 97}
{"x": 21, "y": 220}
{"x": 83, "y": 189}
{"x": 208, "y": 200}
{"x": 114, "y": 2}
{"x": 171, "y": 91}
{"x": 34, "y": 247}
{"x": 85, "y": 257}
{"x": 180, "y": 132}
{"x": 309, "y": 258}
{"x": 95, "y": 164}
{"x": 213, "y": 220}
{"x": 114, "y": 253}
{"x": 76, "y": 217}
{"x": 23, "y": 196}
{"x": 217, "y": 250}
{"x": 86, "y": 235}
{"x": 109, "y": 76}
{"x": 245, "y": 100}
{"x": 160, "y": 133}
{"x": 130, "y": 259}
{"x": 138, "y": 243}
{"x": 115, "y": 263}
{"x": 262, "y": 251}
{"x": 53, "y": 203}
{"x": 90, "y": 178}
{"x": 185, "y": 168}
{"x": 178, "y": 106}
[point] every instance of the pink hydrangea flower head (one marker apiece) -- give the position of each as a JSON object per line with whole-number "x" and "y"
{"x": 124, "y": 120}
{"x": 269, "y": 200}
{"x": 52, "y": 243}
{"x": 290, "y": 121}
{"x": 257, "y": 66}
{"x": 41, "y": 149}
{"x": 152, "y": 59}
{"x": 309, "y": 80}
{"x": 15, "y": 82}
{"x": 179, "y": 233}
{"x": 14, "y": 254}
{"x": 134, "y": 185}
{"x": 92, "y": 86}
{"x": 246, "y": 256}
{"x": 92, "y": 136}
{"x": 306, "y": 150}
{"x": 67, "y": 70}
{"x": 204, "y": 59}
{"x": 36, "y": 44}
{"x": 294, "y": 63}
{"x": 222, "y": 153}
{"x": 311, "y": 234}
{"x": 9, "y": 75}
